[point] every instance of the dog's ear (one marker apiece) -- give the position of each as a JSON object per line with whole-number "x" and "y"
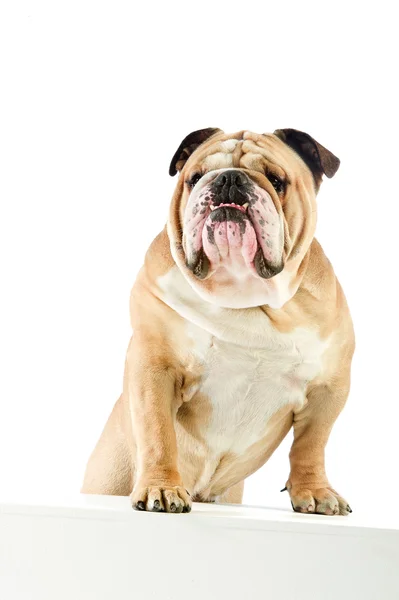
{"x": 187, "y": 147}
{"x": 319, "y": 160}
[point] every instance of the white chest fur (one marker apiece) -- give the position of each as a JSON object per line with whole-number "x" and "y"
{"x": 250, "y": 369}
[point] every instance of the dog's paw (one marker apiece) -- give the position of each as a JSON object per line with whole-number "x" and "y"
{"x": 323, "y": 501}
{"x": 171, "y": 499}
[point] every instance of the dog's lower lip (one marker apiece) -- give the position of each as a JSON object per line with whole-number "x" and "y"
{"x": 242, "y": 208}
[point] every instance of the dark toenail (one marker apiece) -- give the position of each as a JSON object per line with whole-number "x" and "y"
{"x": 283, "y": 490}
{"x": 187, "y": 492}
{"x": 348, "y": 508}
{"x": 157, "y": 505}
{"x": 140, "y": 506}
{"x": 186, "y": 509}
{"x": 173, "y": 507}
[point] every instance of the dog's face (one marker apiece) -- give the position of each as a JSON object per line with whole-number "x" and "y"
{"x": 244, "y": 213}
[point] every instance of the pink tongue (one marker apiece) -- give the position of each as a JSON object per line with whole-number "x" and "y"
{"x": 229, "y": 240}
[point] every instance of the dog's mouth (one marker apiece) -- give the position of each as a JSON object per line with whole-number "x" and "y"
{"x": 242, "y": 208}
{"x": 235, "y": 226}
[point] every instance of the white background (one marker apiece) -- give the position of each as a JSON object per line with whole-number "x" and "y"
{"x": 95, "y": 98}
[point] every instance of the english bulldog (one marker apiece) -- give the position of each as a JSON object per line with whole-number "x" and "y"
{"x": 241, "y": 331}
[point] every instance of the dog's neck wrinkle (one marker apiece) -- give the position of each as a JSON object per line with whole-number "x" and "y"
{"x": 319, "y": 274}
{"x": 316, "y": 275}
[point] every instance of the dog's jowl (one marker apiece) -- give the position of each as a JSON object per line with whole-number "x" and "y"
{"x": 240, "y": 332}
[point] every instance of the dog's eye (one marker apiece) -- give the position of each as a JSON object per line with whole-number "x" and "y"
{"x": 194, "y": 179}
{"x": 277, "y": 183}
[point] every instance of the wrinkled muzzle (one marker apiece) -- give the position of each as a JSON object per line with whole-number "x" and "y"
{"x": 231, "y": 221}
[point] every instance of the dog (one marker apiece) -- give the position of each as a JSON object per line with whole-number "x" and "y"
{"x": 241, "y": 331}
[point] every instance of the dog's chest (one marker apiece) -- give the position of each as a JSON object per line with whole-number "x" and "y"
{"x": 248, "y": 369}
{"x": 245, "y": 386}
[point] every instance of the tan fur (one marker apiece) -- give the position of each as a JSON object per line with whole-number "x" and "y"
{"x": 155, "y": 444}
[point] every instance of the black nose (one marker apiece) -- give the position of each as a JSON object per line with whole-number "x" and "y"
{"x": 230, "y": 186}
{"x": 230, "y": 178}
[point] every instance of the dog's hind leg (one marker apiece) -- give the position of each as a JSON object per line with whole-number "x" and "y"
{"x": 109, "y": 469}
{"x": 233, "y": 495}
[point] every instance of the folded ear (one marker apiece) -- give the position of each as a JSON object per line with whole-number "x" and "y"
{"x": 187, "y": 147}
{"x": 318, "y": 159}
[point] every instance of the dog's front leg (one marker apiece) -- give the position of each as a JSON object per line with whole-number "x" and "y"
{"x": 308, "y": 486}
{"x": 151, "y": 384}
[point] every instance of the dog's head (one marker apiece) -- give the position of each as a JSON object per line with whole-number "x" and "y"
{"x": 243, "y": 214}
